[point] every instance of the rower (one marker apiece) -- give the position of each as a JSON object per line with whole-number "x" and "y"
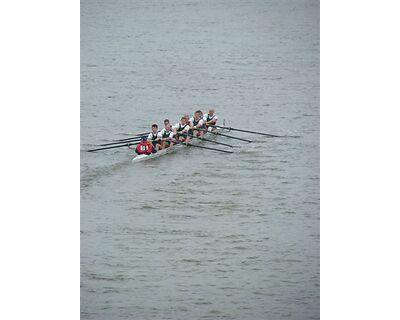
{"x": 144, "y": 147}
{"x": 153, "y": 137}
{"x": 181, "y": 129}
{"x": 196, "y": 123}
{"x": 166, "y": 136}
{"x": 186, "y": 115}
{"x": 210, "y": 118}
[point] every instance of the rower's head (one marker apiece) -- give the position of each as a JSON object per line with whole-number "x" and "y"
{"x": 168, "y": 126}
{"x": 197, "y": 114}
{"x": 211, "y": 111}
{"x": 186, "y": 115}
{"x": 154, "y": 128}
{"x": 166, "y": 121}
{"x": 143, "y": 138}
{"x": 184, "y": 120}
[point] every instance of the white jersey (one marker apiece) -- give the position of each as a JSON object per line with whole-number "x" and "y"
{"x": 164, "y": 134}
{"x": 199, "y": 123}
{"x": 207, "y": 118}
{"x": 181, "y": 128}
{"x": 152, "y": 136}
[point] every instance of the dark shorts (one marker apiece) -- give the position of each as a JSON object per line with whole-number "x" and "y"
{"x": 181, "y": 135}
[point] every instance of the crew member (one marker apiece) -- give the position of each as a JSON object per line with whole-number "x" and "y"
{"x": 210, "y": 118}
{"x": 166, "y": 135}
{"x": 196, "y": 123}
{"x": 181, "y": 129}
{"x": 186, "y": 115}
{"x": 144, "y": 147}
{"x": 153, "y": 137}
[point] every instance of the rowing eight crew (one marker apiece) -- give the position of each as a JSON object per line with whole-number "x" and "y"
{"x": 183, "y": 131}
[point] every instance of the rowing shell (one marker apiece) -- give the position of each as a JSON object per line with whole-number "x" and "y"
{"x": 176, "y": 147}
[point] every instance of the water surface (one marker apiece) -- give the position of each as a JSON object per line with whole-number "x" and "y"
{"x": 199, "y": 234}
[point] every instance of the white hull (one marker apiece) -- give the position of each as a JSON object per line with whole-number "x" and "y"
{"x": 144, "y": 157}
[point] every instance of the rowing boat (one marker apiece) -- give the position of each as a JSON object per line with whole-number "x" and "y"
{"x": 215, "y": 128}
{"x": 176, "y": 147}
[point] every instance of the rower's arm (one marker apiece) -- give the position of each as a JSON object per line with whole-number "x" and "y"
{"x": 199, "y": 124}
{"x": 213, "y": 121}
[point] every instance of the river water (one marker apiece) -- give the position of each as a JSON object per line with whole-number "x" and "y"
{"x": 199, "y": 234}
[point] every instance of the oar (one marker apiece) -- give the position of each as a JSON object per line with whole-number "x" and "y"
{"x": 112, "y": 147}
{"x": 212, "y": 141}
{"x": 255, "y": 132}
{"x": 225, "y": 135}
{"x": 247, "y": 131}
{"x": 196, "y": 146}
{"x": 113, "y": 143}
{"x": 134, "y": 136}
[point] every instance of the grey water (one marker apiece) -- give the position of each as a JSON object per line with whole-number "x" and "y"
{"x": 199, "y": 234}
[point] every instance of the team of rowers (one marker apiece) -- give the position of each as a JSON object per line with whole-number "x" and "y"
{"x": 183, "y": 131}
